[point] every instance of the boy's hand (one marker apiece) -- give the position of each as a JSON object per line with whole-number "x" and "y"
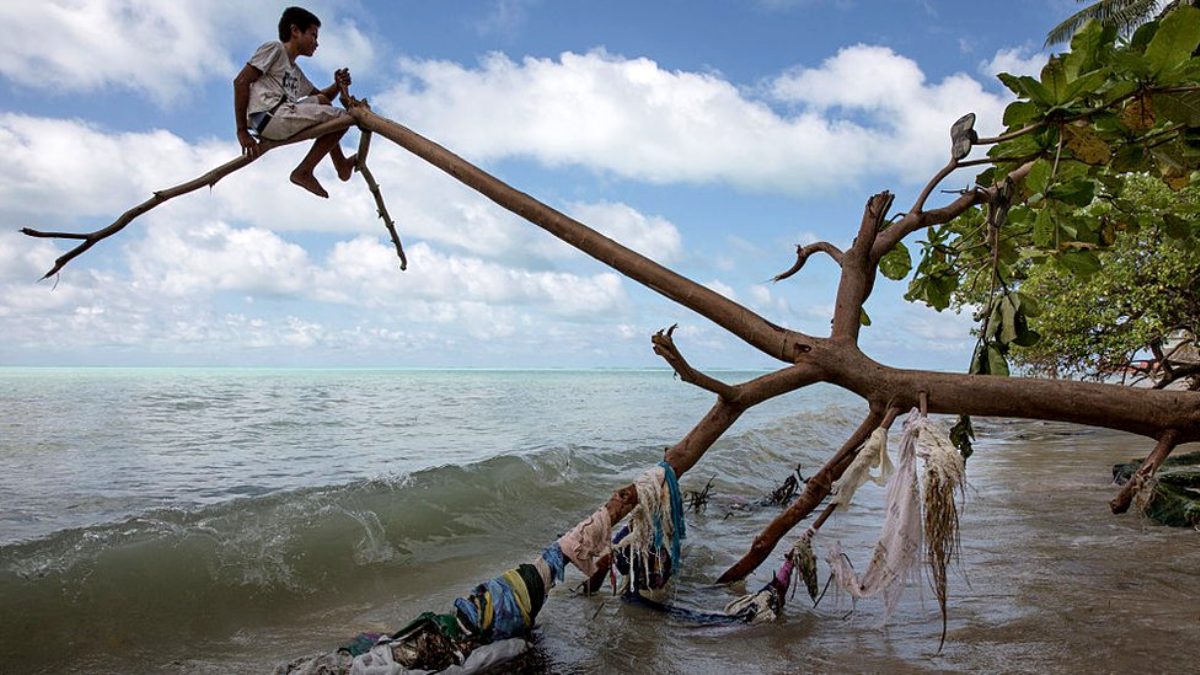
{"x": 249, "y": 145}
{"x": 341, "y": 77}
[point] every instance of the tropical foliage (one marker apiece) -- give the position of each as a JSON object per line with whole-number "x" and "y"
{"x": 1110, "y": 119}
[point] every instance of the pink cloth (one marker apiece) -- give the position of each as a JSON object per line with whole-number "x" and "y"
{"x": 588, "y": 541}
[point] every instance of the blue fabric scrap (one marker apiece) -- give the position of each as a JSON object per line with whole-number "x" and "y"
{"x": 553, "y": 555}
{"x": 677, "y": 522}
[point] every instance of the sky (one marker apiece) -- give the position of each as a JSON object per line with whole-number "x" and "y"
{"x": 712, "y": 136}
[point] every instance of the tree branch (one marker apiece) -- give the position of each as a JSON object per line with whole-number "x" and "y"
{"x": 1166, "y": 443}
{"x": 919, "y": 205}
{"x": 802, "y": 253}
{"x": 360, "y": 165}
{"x": 664, "y": 346}
{"x": 815, "y": 490}
{"x": 210, "y": 179}
{"x": 684, "y": 455}
{"x": 912, "y": 222}
{"x": 858, "y": 269}
{"x": 771, "y": 339}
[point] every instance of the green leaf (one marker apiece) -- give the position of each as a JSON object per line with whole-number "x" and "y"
{"x": 863, "y": 318}
{"x": 1176, "y": 227}
{"x": 997, "y": 364}
{"x": 1028, "y": 338}
{"x": 1130, "y": 158}
{"x": 979, "y": 364}
{"x": 896, "y": 263}
{"x": 1175, "y": 40}
{"x": 1020, "y": 113}
{"x": 1082, "y": 264}
{"x": 1142, "y": 37}
{"x": 1054, "y": 79}
{"x": 1029, "y": 306}
{"x": 1078, "y": 192}
{"x": 1085, "y": 47}
{"x": 1086, "y": 85}
{"x": 1181, "y": 108}
{"x": 1132, "y": 65}
{"x": 1119, "y": 89}
{"x": 1008, "y": 320}
{"x": 1044, "y": 229}
{"x": 1024, "y": 85}
{"x": 995, "y": 320}
{"x": 1039, "y": 176}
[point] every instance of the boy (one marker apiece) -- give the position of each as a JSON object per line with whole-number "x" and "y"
{"x": 272, "y": 97}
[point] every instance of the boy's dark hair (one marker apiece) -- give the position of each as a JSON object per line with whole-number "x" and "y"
{"x": 296, "y": 16}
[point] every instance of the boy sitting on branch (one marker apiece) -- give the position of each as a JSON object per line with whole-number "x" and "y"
{"x": 273, "y": 99}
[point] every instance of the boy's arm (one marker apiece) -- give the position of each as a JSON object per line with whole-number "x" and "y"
{"x": 241, "y": 101}
{"x": 340, "y": 77}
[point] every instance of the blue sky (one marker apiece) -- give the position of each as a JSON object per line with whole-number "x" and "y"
{"x": 712, "y": 136}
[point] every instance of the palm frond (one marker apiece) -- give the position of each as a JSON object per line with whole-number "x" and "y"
{"x": 1126, "y": 15}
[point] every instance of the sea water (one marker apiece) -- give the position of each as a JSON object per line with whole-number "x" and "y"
{"x": 212, "y": 521}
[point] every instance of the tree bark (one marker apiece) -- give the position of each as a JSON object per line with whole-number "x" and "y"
{"x": 1166, "y": 443}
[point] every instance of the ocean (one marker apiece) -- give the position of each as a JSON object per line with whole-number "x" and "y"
{"x": 226, "y": 520}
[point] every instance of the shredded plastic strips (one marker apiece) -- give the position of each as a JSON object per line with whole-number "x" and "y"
{"x": 896, "y": 554}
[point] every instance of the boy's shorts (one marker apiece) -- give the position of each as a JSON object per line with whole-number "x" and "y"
{"x": 290, "y": 119}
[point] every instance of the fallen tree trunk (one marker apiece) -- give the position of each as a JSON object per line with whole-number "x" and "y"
{"x": 835, "y": 359}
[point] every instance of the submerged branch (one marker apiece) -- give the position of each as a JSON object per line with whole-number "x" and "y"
{"x": 815, "y": 490}
{"x": 1166, "y": 443}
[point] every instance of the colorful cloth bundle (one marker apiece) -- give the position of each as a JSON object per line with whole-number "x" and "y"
{"x": 503, "y": 607}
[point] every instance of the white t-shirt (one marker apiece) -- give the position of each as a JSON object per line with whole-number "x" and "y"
{"x": 281, "y": 78}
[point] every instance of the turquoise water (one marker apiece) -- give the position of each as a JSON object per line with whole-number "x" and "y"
{"x": 199, "y": 520}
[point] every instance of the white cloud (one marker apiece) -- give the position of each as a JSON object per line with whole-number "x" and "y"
{"x": 504, "y": 17}
{"x": 722, "y": 288}
{"x": 907, "y": 120}
{"x": 654, "y": 237}
{"x": 213, "y": 256}
{"x": 760, "y": 294}
{"x": 640, "y": 121}
{"x": 24, "y": 259}
{"x": 163, "y": 50}
{"x": 158, "y": 48}
{"x": 1023, "y": 60}
{"x": 363, "y": 271}
{"x": 342, "y": 45}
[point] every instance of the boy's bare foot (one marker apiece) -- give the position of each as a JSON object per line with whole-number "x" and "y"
{"x": 308, "y": 182}
{"x": 346, "y": 169}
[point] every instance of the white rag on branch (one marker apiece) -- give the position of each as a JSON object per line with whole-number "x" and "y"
{"x": 895, "y": 559}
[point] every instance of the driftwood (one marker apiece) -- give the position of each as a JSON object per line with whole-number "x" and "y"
{"x": 1170, "y": 417}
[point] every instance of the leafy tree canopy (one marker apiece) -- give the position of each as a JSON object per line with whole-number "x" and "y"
{"x": 1147, "y": 296}
{"x": 1106, "y": 146}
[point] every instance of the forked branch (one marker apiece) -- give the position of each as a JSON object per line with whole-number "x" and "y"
{"x": 209, "y": 179}
{"x": 664, "y": 346}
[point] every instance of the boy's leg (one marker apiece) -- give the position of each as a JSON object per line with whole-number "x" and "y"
{"x": 303, "y": 176}
{"x": 343, "y": 164}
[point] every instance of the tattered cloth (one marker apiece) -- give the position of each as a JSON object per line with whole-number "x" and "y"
{"x": 656, "y": 525}
{"x": 588, "y": 541}
{"x": 897, "y": 553}
{"x": 489, "y": 626}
